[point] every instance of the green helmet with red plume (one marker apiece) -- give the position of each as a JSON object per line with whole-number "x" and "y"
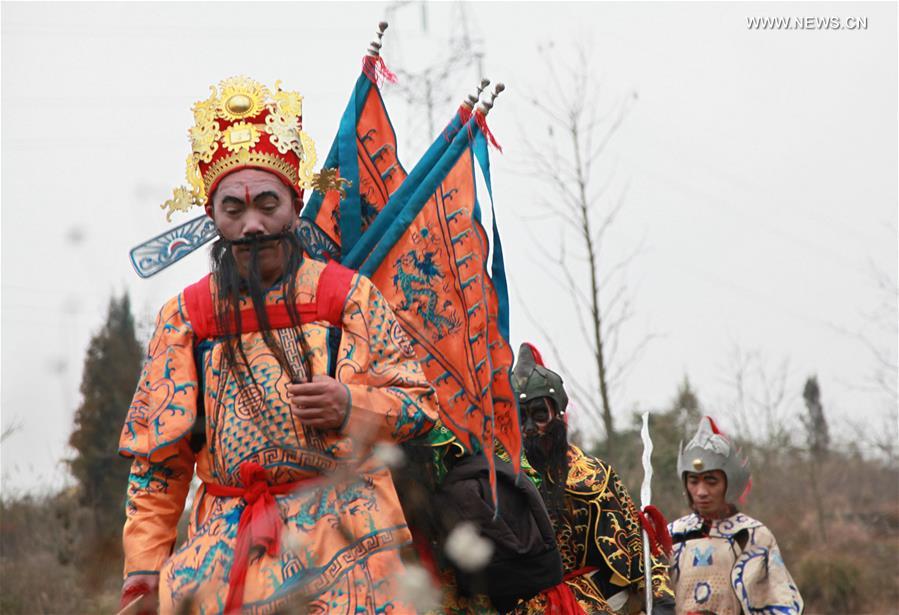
{"x": 532, "y": 380}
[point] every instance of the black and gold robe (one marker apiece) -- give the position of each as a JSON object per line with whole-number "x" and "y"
{"x": 599, "y": 529}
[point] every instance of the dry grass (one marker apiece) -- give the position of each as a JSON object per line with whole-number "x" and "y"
{"x": 49, "y": 561}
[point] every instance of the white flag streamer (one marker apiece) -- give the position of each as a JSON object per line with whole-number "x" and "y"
{"x": 646, "y": 488}
{"x": 645, "y": 500}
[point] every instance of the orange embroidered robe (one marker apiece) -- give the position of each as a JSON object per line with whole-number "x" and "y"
{"x": 342, "y": 530}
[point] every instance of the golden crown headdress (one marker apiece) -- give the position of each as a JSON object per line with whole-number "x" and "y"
{"x": 243, "y": 124}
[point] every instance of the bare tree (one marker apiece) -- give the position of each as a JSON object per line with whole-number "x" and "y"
{"x": 761, "y": 408}
{"x": 431, "y": 90}
{"x": 570, "y": 158}
{"x": 878, "y": 336}
{"x": 884, "y": 320}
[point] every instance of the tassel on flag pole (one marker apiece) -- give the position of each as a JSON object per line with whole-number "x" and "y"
{"x": 467, "y": 108}
{"x": 373, "y": 64}
{"x": 364, "y": 153}
{"x": 483, "y": 109}
{"x": 376, "y": 69}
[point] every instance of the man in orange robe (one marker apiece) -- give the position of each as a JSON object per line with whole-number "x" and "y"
{"x": 273, "y": 380}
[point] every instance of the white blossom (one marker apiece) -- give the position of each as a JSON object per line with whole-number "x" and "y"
{"x": 416, "y": 588}
{"x": 467, "y": 548}
{"x": 389, "y": 454}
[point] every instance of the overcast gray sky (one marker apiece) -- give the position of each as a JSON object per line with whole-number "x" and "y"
{"x": 761, "y": 165}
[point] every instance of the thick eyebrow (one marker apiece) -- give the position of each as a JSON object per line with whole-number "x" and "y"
{"x": 265, "y": 195}
{"x": 232, "y": 200}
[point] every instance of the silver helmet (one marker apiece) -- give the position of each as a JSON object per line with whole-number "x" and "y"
{"x": 711, "y": 450}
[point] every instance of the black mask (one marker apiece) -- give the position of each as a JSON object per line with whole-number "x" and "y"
{"x": 548, "y": 454}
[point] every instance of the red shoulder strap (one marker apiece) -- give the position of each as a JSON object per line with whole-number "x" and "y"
{"x": 198, "y": 299}
{"x": 330, "y": 297}
{"x": 331, "y": 294}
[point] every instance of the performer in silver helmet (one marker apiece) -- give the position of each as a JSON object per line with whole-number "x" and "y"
{"x": 724, "y": 561}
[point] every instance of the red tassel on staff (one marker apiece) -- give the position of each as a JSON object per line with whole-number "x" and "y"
{"x": 376, "y": 70}
{"x": 464, "y": 115}
{"x": 481, "y": 121}
{"x": 653, "y": 521}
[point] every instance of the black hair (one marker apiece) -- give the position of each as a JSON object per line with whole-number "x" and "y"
{"x": 230, "y": 286}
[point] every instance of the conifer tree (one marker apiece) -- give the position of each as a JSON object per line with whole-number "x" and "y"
{"x": 111, "y": 369}
{"x": 815, "y": 423}
{"x": 818, "y": 438}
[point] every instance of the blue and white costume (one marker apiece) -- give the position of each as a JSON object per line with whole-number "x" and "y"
{"x": 730, "y": 566}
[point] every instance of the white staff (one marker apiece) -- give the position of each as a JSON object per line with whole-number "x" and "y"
{"x": 645, "y": 500}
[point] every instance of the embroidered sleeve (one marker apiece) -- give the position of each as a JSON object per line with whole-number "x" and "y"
{"x": 661, "y": 584}
{"x": 155, "y": 501}
{"x": 164, "y": 406}
{"x": 761, "y": 580}
{"x": 390, "y": 397}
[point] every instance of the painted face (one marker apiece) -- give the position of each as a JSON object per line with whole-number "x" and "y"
{"x": 254, "y": 202}
{"x": 707, "y": 491}
{"x": 536, "y": 415}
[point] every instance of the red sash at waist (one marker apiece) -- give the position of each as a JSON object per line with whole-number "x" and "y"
{"x": 259, "y": 526}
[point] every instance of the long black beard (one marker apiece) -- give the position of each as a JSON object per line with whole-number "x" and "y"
{"x": 548, "y": 454}
{"x": 231, "y": 286}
